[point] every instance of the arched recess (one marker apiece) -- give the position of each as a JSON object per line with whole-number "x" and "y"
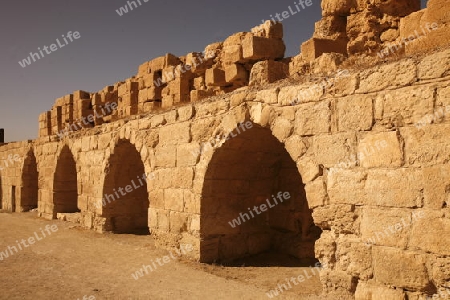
{"x": 65, "y": 184}
{"x": 125, "y": 196}
{"x": 29, "y": 188}
{"x": 251, "y": 169}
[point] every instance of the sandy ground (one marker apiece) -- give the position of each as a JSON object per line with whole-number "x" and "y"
{"x": 73, "y": 262}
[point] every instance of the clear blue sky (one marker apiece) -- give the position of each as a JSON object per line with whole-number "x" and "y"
{"x": 111, "y": 46}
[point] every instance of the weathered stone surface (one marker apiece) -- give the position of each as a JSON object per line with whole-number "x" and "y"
{"x": 316, "y": 193}
{"x": 354, "y": 113}
{"x": 344, "y": 145}
{"x": 400, "y": 268}
{"x": 427, "y": 145}
{"x": 435, "y": 243}
{"x": 403, "y": 107}
{"x": 436, "y": 186}
{"x": 380, "y": 150}
{"x": 393, "y": 75}
{"x": 373, "y": 291}
{"x": 312, "y": 118}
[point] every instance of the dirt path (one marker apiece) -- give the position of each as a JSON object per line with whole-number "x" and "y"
{"x": 73, "y": 262}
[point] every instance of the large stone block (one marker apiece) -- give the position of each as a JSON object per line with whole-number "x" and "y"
{"x": 436, "y": 65}
{"x": 366, "y": 291}
{"x": 406, "y": 192}
{"x": 355, "y": 259}
{"x": 426, "y": 146}
{"x": 346, "y": 186}
{"x": 166, "y": 156}
{"x": 403, "y": 107}
{"x": 236, "y": 73}
{"x": 337, "y": 218}
{"x": 316, "y": 193}
{"x": 259, "y": 48}
{"x": 436, "y": 186}
{"x": 312, "y": 118}
{"x": 395, "y": 267}
{"x": 174, "y": 134}
{"x": 386, "y": 227}
{"x": 331, "y": 150}
{"x": 434, "y": 39}
{"x": 174, "y": 200}
{"x": 354, "y": 113}
{"x": 314, "y": 47}
{"x": 292, "y": 95}
{"x": 215, "y": 77}
{"x": 268, "y": 71}
{"x": 429, "y": 234}
{"x": 393, "y": 75}
{"x": 380, "y": 150}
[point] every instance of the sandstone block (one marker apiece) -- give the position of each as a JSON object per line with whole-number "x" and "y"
{"x": 258, "y": 48}
{"x": 380, "y": 150}
{"x": 236, "y": 73}
{"x": 268, "y": 71}
{"x": 197, "y": 95}
{"x": 316, "y": 193}
{"x": 173, "y": 200}
{"x": 355, "y": 259}
{"x": 269, "y": 29}
{"x": 174, "y": 134}
{"x": 314, "y": 47}
{"x": 400, "y": 268}
{"x": 436, "y": 65}
{"x": 215, "y": 77}
{"x": 293, "y": 95}
{"x": 426, "y": 146}
{"x": 343, "y": 145}
{"x": 346, "y": 186}
{"x": 393, "y": 75}
{"x": 386, "y": 227}
{"x": 436, "y": 186}
{"x": 165, "y": 156}
{"x": 354, "y": 113}
{"x": 373, "y": 291}
{"x": 428, "y": 234}
{"x": 268, "y": 96}
{"x": 312, "y": 118}
{"x": 337, "y": 218}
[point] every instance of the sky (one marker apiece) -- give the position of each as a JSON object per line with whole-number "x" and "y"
{"x": 111, "y": 47}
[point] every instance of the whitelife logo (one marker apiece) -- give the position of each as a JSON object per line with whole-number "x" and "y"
{"x": 263, "y": 207}
{"x": 50, "y": 49}
{"x": 31, "y": 240}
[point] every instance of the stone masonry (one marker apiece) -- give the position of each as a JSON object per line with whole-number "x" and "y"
{"x": 365, "y": 157}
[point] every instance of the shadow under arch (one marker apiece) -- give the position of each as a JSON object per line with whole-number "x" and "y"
{"x": 253, "y": 169}
{"x": 65, "y": 184}
{"x": 125, "y": 196}
{"x": 29, "y": 188}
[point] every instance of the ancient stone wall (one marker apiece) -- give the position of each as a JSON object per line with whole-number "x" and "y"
{"x": 366, "y": 163}
{"x": 363, "y": 154}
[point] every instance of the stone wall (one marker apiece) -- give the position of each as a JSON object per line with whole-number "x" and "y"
{"x": 362, "y": 153}
{"x": 371, "y": 176}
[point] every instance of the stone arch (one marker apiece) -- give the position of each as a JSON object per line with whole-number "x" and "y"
{"x": 125, "y": 196}
{"x": 65, "y": 184}
{"x": 29, "y": 188}
{"x": 252, "y": 168}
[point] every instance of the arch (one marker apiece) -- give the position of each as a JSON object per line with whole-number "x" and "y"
{"x": 125, "y": 195}
{"x": 253, "y": 169}
{"x": 29, "y": 188}
{"x": 65, "y": 184}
